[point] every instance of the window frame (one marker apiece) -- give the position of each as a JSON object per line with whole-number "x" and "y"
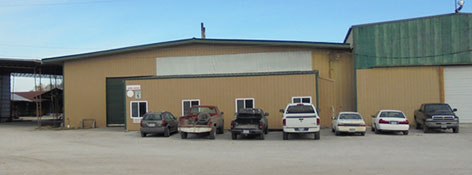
{"x": 244, "y": 99}
{"x": 131, "y": 108}
{"x": 190, "y": 100}
{"x": 301, "y": 98}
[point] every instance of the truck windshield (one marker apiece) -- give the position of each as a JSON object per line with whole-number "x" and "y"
{"x": 300, "y": 109}
{"x": 152, "y": 117}
{"x": 196, "y": 110}
{"x": 432, "y": 108}
{"x": 350, "y": 117}
{"x": 392, "y": 114}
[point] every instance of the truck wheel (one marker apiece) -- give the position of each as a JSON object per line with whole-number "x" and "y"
{"x": 166, "y": 132}
{"x": 261, "y": 136}
{"x": 221, "y": 130}
{"x": 285, "y": 135}
{"x": 362, "y": 133}
{"x": 405, "y": 132}
{"x": 143, "y": 134}
{"x": 455, "y": 130}
{"x": 212, "y": 134}
{"x": 266, "y": 131}
{"x": 234, "y": 136}
{"x": 183, "y": 135}
{"x": 317, "y": 135}
{"x": 332, "y": 129}
{"x": 425, "y": 129}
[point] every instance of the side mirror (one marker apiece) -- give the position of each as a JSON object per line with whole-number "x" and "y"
{"x": 282, "y": 111}
{"x": 455, "y": 109}
{"x": 266, "y": 114}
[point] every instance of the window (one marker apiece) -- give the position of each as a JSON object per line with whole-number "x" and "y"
{"x": 186, "y": 104}
{"x": 138, "y": 109}
{"x": 306, "y": 99}
{"x": 242, "y": 103}
{"x": 300, "y": 109}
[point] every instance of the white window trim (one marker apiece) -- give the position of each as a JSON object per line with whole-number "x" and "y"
{"x": 182, "y": 106}
{"x": 301, "y": 97}
{"x": 236, "y": 103}
{"x": 131, "y": 108}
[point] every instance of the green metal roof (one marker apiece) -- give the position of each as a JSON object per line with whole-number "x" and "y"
{"x": 435, "y": 40}
{"x": 327, "y": 45}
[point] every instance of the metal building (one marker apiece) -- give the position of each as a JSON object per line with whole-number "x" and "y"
{"x": 114, "y": 87}
{"x": 402, "y": 64}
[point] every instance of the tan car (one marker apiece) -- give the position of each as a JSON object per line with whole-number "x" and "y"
{"x": 348, "y": 122}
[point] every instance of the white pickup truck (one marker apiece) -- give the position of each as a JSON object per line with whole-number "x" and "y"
{"x": 300, "y": 118}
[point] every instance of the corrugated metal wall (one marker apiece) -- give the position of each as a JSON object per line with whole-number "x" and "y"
{"x": 402, "y": 88}
{"x": 271, "y": 93}
{"x": 85, "y": 78}
{"x": 437, "y": 40}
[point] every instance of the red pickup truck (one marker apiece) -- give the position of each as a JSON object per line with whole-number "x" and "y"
{"x": 202, "y": 119}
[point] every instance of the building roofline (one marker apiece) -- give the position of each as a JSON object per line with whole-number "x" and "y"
{"x": 330, "y": 45}
{"x": 347, "y": 34}
{"x": 409, "y": 19}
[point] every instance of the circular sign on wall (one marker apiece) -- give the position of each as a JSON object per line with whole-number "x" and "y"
{"x": 130, "y": 94}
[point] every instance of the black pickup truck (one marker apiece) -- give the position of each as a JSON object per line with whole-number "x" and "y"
{"x": 249, "y": 121}
{"x": 436, "y": 116}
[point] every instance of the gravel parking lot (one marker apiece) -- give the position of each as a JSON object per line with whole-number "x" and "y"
{"x": 26, "y": 150}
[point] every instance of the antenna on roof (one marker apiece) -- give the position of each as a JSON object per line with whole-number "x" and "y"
{"x": 460, "y": 3}
{"x": 203, "y": 30}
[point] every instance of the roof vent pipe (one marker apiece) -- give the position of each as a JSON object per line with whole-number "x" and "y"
{"x": 203, "y": 30}
{"x": 461, "y": 4}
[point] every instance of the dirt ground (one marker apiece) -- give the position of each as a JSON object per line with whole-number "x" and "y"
{"x": 26, "y": 150}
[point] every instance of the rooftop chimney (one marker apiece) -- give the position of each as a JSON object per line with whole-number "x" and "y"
{"x": 203, "y": 30}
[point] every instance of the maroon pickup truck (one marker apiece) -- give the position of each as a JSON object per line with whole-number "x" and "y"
{"x": 202, "y": 119}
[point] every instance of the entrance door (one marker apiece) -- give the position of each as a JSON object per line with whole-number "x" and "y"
{"x": 458, "y": 90}
{"x": 115, "y": 92}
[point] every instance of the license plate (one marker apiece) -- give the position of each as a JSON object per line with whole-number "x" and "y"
{"x": 443, "y": 126}
{"x": 245, "y": 131}
{"x": 151, "y": 124}
{"x": 393, "y": 123}
{"x": 352, "y": 129}
{"x": 301, "y": 129}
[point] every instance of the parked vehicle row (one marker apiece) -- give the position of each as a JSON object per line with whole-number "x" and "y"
{"x": 297, "y": 118}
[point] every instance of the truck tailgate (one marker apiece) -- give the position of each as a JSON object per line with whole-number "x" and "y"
{"x": 305, "y": 121}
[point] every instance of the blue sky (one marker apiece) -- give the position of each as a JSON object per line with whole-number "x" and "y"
{"x": 35, "y": 29}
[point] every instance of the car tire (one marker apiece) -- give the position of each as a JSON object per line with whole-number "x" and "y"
{"x": 220, "y": 130}
{"x": 266, "y": 131}
{"x": 377, "y": 131}
{"x": 317, "y": 135}
{"x": 425, "y": 129}
{"x": 166, "y": 132}
{"x": 212, "y": 134}
{"x": 337, "y": 133}
{"x": 362, "y": 133}
{"x": 405, "y": 132}
{"x": 183, "y": 135}
{"x": 285, "y": 135}
{"x": 261, "y": 136}
{"x": 332, "y": 129}
{"x": 455, "y": 130}
{"x": 143, "y": 134}
{"x": 372, "y": 129}
{"x": 234, "y": 136}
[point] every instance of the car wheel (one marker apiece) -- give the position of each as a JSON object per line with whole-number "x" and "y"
{"x": 212, "y": 134}
{"x": 425, "y": 129}
{"x": 166, "y": 132}
{"x": 362, "y": 133}
{"x": 317, "y": 135}
{"x": 337, "y": 133}
{"x": 261, "y": 136}
{"x": 285, "y": 136}
{"x": 332, "y": 129}
{"x": 455, "y": 130}
{"x": 266, "y": 131}
{"x": 405, "y": 132}
{"x": 377, "y": 131}
{"x": 143, "y": 134}
{"x": 372, "y": 128}
{"x": 234, "y": 136}
{"x": 221, "y": 130}
{"x": 183, "y": 135}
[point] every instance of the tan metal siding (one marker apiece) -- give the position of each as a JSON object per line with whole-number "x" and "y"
{"x": 403, "y": 89}
{"x": 271, "y": 93}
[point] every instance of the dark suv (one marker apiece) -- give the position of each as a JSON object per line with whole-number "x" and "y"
{"x": 436, "y": 116}
{"x": 250, "y": 121}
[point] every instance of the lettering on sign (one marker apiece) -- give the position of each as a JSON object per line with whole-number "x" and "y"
{"x": 133, "y": 87}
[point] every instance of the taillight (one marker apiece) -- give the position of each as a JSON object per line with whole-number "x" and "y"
{"x": 209, "y": 123}
{"x": 362, "y": 125}
{"x": 317, "y": 121}
{"x": 284, "y": 122}
{"x": 404, "y": 122}
{"x": 163, "y": 123}
{"x": 261, "y": 125}
{"x": 141, "y": 124}
{"x": 232, "y": 124}
{"x": 383, "y": 121}
{"x": 340, "y": 124}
